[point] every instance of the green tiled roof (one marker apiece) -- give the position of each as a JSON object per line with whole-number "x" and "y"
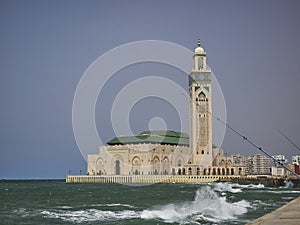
{"x": 156, "y": 137}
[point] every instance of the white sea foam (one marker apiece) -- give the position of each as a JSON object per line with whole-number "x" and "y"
{"x": 251, "y": 186}
{"x": 112, "y": 205}
{"x": 227, "y": 187}
{"x": 282, "y": 191}
{"x": 80, "y": 216}
{"x": 288, "y": 184}
{"x": 207, "y": 205}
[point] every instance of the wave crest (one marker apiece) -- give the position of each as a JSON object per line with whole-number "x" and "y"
{"x": 208, "y": 205}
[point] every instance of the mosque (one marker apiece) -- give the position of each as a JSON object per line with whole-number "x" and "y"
{"x": 169, "y": 152}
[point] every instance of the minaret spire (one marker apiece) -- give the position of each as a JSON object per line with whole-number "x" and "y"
{"x": 199, "y": 42}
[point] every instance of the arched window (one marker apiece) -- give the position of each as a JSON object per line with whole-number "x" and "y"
{"x": 202, "y": 96}
{"x": 179, "y": 163}
{"x": 117, "y": 167}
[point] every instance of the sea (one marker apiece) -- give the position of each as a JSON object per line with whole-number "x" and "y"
{"x": 57, "y": 202}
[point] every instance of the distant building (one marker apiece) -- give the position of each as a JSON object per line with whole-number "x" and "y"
{"x": 258, "y": 165}
{"x": 296, "y": 163}
{"x": 277, "y": 171}
{"x": 296, "y": 160}
{"x": 279, "y": 160}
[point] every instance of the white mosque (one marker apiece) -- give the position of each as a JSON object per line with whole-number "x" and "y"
{"x": 168, "y": 152}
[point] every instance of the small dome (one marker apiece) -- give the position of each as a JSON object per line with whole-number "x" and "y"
{"x": 199, "y": 50}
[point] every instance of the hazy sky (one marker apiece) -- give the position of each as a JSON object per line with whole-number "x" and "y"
{"x": 46, "y": 46}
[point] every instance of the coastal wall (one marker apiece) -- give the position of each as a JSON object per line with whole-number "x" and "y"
{"x": 268, "y": 181}
{"x": 146, "y": 179}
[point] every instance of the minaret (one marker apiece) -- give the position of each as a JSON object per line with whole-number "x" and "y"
{"x": 200, "y": 113}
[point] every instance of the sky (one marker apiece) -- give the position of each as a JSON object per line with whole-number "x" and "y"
{"x": 46, "y": 47}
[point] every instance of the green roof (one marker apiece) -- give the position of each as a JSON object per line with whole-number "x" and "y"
{"x": 155, "y": 137}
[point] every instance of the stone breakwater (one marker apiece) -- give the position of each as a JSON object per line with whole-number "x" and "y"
{"x": 268, "y": 181}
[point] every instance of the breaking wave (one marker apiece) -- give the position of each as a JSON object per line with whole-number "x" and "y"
{"x": 208, "y": 205}
{"x": 226, "y": 187}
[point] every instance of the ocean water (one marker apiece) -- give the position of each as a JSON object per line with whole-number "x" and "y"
{"x": 56, "y": 202}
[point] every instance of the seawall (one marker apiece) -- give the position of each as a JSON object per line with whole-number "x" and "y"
{"x": 285, "y": 215}
{"x": 147, "y": 179}
{"x": 192, "y": 179}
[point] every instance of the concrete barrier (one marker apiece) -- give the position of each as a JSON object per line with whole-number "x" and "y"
{"x": 288, "y": 214}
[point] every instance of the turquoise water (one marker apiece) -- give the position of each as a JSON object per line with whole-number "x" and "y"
{"x": 55, "y": 202}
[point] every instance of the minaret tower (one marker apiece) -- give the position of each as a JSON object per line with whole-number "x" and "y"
{"x": 200, "y": 113}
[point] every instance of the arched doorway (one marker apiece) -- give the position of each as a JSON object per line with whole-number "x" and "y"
{"x": 165, "y": 166}
{"x": 117, "y": 167}
{"x": 214, "y": 171}
{"x": 198, "y": 171}
{"x": 190, "y": 171}
{"x": 179, "y": 171}
{"x": 183, "y": 171}
{"x": 100, "y": 166}
{"x": 136, "y": 165}
{"x": 173, "y": 171}
{"x": 156, "y": 165}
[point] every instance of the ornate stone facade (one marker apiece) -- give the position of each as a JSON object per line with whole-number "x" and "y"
{"x": 140, "y": 159}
